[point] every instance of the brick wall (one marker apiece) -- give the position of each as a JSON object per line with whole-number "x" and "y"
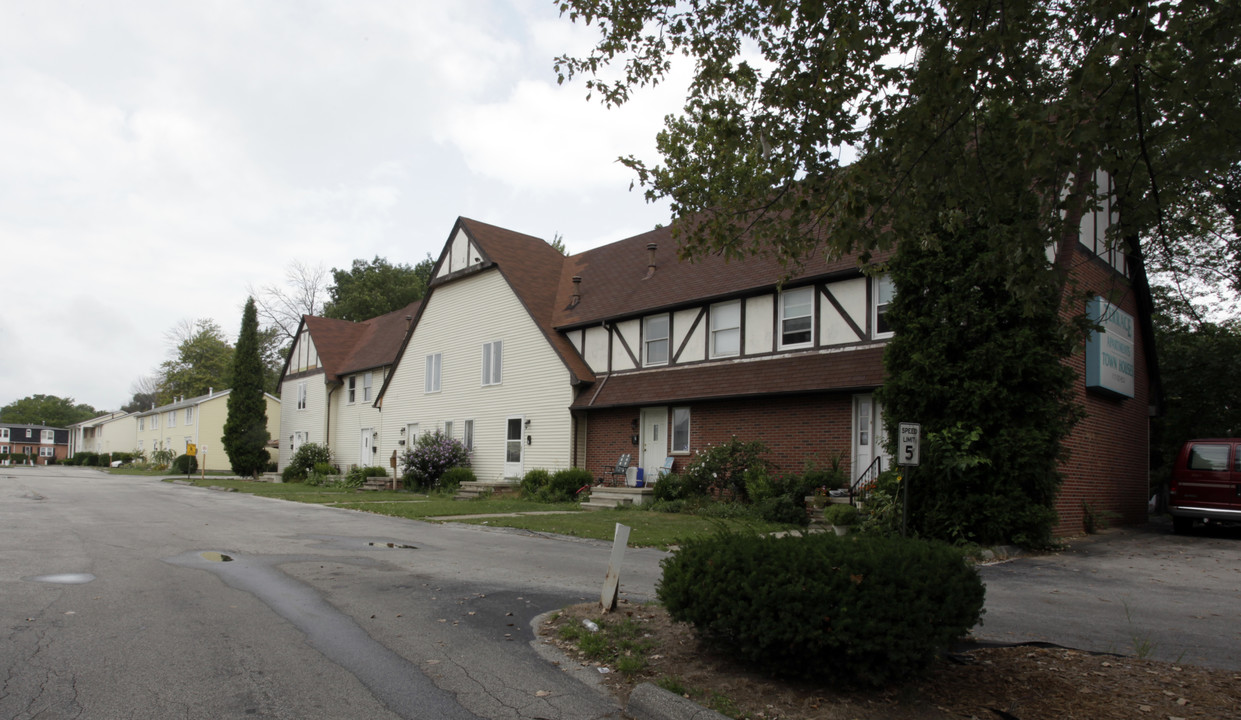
{"x": 1108, "y": 452}
{"x": 795, "y": 429}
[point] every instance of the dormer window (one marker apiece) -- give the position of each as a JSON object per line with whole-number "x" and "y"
{"x": 655, "y": 340}
{"x": 797, "y": 318}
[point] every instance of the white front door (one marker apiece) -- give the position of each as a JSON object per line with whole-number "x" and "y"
{"x": 867, "y": 434}
{"x": 364, "y": 450}
{"x": 654, "y": 443}
{"x": 513, "y": 444}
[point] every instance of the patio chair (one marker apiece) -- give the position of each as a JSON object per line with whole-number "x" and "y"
{"x": 621, "y": 469}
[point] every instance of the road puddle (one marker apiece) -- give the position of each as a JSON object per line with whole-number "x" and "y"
{"x": 63, "y": 578}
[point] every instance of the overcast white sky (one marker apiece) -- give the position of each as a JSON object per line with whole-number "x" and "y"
{"x": 157, "y": 157}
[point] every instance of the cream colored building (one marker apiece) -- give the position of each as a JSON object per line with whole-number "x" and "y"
{"x": 482, "y": 363}
{"x": 329, "y": 385}
{"x": 108, "y": 433}
{"x": 198, "y": 421}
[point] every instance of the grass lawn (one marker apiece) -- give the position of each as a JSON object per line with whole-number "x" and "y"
{"x": 648, "y": 529}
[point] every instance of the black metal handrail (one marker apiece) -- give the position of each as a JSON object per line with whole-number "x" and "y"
{"x": 861, "y": 488}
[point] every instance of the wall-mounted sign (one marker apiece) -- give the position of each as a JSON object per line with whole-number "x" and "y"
{"x": 1109, "y": 352}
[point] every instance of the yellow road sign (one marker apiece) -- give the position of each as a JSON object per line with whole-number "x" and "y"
{"x": 191, "y": 449}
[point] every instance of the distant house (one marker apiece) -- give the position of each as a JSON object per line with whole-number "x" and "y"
{"x": 198, "y": 420}
{"x": 330, "y": 381}
{"x": 36, "y": 444}
{"x": 107, "y": 433}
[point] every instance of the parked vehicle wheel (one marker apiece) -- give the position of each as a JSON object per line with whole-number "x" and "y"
{"x": 1182, "y": 525}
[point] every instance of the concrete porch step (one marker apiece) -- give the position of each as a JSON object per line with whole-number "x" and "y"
{"x": 612, "y": 497}
{"x": 471, "y": 490}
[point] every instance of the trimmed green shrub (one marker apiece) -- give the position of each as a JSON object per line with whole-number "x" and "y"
{"x": 305, "y": 459}
{"x": 857, "y": 609}
{"x": 561, "y": 486}
{"x": 357, "y": 476}
{"x": 565, "y": 484}
{"x": 453, "y": 477}
{"x": 88, "y": 459}
{"x": 185, "y": 464}
{"x": 840, "y": 514}
{"x": 430, "y": 457}
{"x": 783, "y": 509}
{"x": 533, "y": 482}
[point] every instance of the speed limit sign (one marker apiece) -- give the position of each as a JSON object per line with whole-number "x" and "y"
{"x": 908, "y": 450}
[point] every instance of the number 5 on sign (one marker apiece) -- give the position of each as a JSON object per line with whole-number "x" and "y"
{"x": 909, "y": 450}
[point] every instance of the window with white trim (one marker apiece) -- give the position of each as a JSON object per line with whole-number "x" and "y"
{"x": 367, "y": 379}
{"x": 448, "y": 429}
{"x": 655, "y": 340}
{"x": 48, "y": 436}
{"x": 467, "y": 435}
{"x": 189, "y": 416}
{"x": 493, "y": 362}
{"x": 139, "y": 446}
{"x": 435, "y": 366}
{"x": 301, "y": 395}
{"x": 172, "y": 418}
{"x": 726, "y": 329}
{"x": 142, "y": 423}
{"x": 4, "y": 448}
{"x": 4, "y": 433}
{"x": 883, "y": 293}
{"x": 47, "y": 452}
{"x": 353, "y": 389}
{"x": 680, "y": 430}
{"x": 797, "y": 318}
{"x": 155, "y": 422}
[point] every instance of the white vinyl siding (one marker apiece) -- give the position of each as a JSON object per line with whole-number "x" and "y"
{"x": 536, "y": 381}
{"x": 493, "y": 362}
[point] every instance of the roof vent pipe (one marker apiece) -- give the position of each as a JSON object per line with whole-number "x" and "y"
{"x": 650, "y": 260}
{"x": 409, "y": 319}
{"x": 577, "y": 291}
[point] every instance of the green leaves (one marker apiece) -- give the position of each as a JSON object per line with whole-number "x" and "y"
{"x": 1147, "y": 91}
{"x": 245, "y": 431}
{"x": 371, "y": 289}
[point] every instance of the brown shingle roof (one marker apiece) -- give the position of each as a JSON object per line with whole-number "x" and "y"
{"x": 533, "y": 269}
{"x": 615, "y": 283}
{"x": 833, "y": 371}
{"x": 345, "y": 347}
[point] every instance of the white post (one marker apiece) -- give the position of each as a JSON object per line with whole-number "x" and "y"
{"x": 611, "y": 582}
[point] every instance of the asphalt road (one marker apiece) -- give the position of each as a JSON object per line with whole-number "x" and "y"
{"x": 117, "y": 601}
{"x": 1133, "y": 591}
{"x": 312, "y": 616}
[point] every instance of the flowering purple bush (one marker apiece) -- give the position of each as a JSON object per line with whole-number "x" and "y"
{"x": 431, "y": 455}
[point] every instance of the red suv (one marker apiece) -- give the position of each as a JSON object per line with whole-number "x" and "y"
{"x": 1206, "y": 483}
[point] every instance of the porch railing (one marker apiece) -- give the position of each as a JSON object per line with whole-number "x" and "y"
{"x": 861, "y": 488}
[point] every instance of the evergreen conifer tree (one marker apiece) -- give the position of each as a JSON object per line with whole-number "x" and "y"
{"x": 245, "y": 431}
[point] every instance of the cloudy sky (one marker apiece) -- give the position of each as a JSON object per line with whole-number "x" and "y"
{"x": 157, "y": 158}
